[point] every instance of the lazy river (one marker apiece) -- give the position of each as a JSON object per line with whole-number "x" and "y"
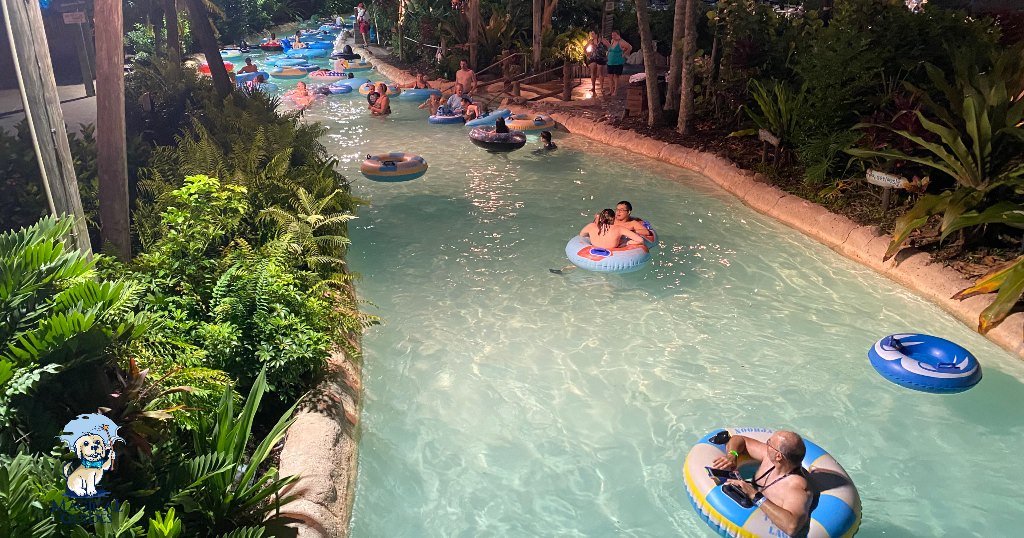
{"x": 504, "y": 400}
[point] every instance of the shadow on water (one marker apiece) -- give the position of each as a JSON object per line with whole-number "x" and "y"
{"x": 987, "y": 403}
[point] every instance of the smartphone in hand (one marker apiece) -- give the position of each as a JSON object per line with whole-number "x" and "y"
{"x": 721, "y": 475}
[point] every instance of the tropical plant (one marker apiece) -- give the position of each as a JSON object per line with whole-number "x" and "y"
{"x": 56, "y": 316}
{"x": 22, "y": 512}
{"x": 977, "y": 140}
{"x": 164, "y": 526}
{"x": 312, "y": 234}
{"x": 228, "y": 487}
{"x": 779, "y": 110}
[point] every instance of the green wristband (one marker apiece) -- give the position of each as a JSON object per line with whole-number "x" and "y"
{"x": 734, "y": 454}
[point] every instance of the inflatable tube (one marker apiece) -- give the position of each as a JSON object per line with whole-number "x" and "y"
{"x": 616, "y": 260}
{"x": 836, "y": 508}
{"x": 525, "y": 122}
{"x": 486, "y": 138}
{"x": 284, "y": 61}
{"x": 926, "y": 363}
{"x": 322, "y": 45}
{"x": 205, "y": 68}
{"x": 242, "y": 78}
{"x": 326, "y": 76}
{"x": 271, "y": 47}
{"x": 420, "y": 93}
{"x": 231, "y": 54}
{"x": 362, "y": 65}
{"x": 489, "y": 119}
{"x": 355, "y": 82}
{"x": 445, "y": 120}
{"x": 287, "y": 73}
{"x": 339, "y": 88}
{"x": 308, "y": 67}
{"x": 345, "y": 56}
{"x": 391, "y": 91}
{"x": 308, "y": 53}
{"x": 393, "y": 167}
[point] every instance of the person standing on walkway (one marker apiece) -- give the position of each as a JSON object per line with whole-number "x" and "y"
{"x": 466, "y": 77}
{"x": 362, "y": 24}
{"x": 597, "y": 57}
{"x": 618, "y": 49}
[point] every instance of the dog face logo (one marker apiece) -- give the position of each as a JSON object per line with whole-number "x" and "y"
{"x": 91, "y": 437}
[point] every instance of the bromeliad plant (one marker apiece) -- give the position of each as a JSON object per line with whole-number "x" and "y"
{"x": 977, "y": 139}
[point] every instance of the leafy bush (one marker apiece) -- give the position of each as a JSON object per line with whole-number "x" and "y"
{"x": 56, "y": 318}
{"x": 241, "y": 305}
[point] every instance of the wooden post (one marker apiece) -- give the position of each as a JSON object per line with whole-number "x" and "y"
{"x": 34, "y": 72}
{"x": 516, "y": 90}
{"x": 111, "y": 146}
{"x": 566, "y": 82}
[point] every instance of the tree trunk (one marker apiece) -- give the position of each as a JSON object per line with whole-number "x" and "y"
{"x": 156, "y": 18}
{"x": 650, "y": 54}
{"x": 538, "y": 31}
{"x": 686, "y": 112}
{"x": 173, "y": 38}
{"x": 547, "y": 12}
{"x": 473, "y": 18}
{"x": 675, "y": 63}
{"x": 111, "y": 146}
{"x": 203, "y": 31}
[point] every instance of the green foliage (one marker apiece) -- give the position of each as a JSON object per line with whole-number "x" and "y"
{"x": 309, "y": 233}
{"x": 979, "y": 140}
{"x": 22, "y": 512}
{"x": 240, "y": 305}
{"x": 56, "y": 316}
{"x": 779, "y": 110}
{"x": 824, "y": 157}
{"x": 228, "y": 487}
{"x": 571, "y": 45}
{"x": 164, "y": 526}
{"x": 141, "y": 41}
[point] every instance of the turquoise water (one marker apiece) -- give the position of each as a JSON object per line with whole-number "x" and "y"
{"x": 503, "y": 400}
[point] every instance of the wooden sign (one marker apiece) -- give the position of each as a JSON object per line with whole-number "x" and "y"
{"x": 764, "y": 135}
{"x": 74, "y": 17}
{"x": 889, "y": 181}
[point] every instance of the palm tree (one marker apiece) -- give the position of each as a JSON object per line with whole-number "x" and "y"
{"x": 643, "y": 20}
{"x": 686, "y": 113}
{"x": 675, "y": 63}
{"x": 202, "y": 29}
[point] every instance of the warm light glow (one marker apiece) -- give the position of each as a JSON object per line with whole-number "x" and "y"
{"x": 590, "y": 48}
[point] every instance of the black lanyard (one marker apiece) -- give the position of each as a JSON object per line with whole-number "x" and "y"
{"x": 766, "y": 473}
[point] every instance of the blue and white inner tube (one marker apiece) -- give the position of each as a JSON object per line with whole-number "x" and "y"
{"x": 438, "y": 119}
{"x": 337, "y": 88}
{"x": 393, "y": 167}
{"x": 835, "y": 509}
{"x": 926, "y": 363}
{"x": 490, "y": 119}
{"x": 420, "y": 93}
{"x": 616, "y": 260}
